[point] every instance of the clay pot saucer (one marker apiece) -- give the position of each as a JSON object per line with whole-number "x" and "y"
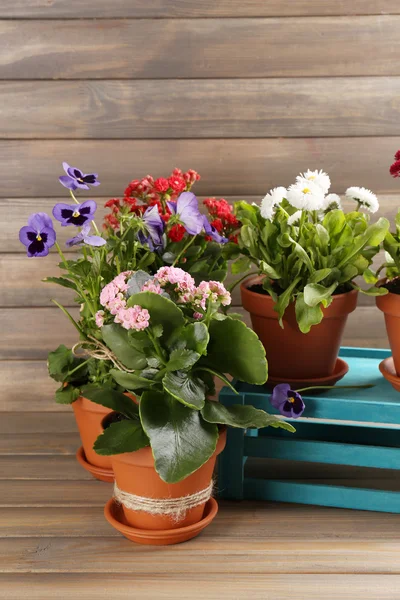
{"x": 157, "y": 537}
{"x": 340, "y": 370}
{"x": 98, "y": 472}
{"x": 387, "y": 369}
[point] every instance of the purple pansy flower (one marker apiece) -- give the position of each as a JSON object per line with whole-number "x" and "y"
{"x": 155, "y": 227}
{"x": 212, "y": 232}
{"x": 187, "y": 209}
{"x": 74, "y": 178}
{"x": 39, "y": 235}
{"x": 75, "y": 214}
{"x": 83, "y": 237}
{"x": 287, "y": 401}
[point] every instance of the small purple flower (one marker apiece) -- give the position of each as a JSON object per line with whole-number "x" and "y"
{"x": 155, "y": 227}
{"x": 187, "y": 209}
{"x": 287, "y": 401}
{"x": 83, "y": 237}
{"x": 75, "y": 214}
{"x": 39, "y": 235}
{"x": 74, "y": 178}
{"x": 212, "y": 232}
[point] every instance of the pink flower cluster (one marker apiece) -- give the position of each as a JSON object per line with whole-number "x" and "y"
{"x": 188, "y": 293}
{"x": 112, "y": 297}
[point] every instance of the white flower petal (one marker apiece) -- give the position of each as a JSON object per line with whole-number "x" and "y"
{"x": 364, "y": 197}
{"x": 320, "y": 178}
{"x": 305, "y": 195}
{"x": 272, "y": 199}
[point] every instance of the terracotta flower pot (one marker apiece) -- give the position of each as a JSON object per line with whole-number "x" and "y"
{"x": 89, "y": 417}
{"x": 291, "y": 353}
{"x": 135, "y": 474}
{"x": 390, "y": 306}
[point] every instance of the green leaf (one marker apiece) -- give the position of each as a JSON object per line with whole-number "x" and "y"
{"x": 302, "y": 254}
{"x": 66, "y": 394}
{"x": 147, "y": 259}
{"x": 162, "y": 311}
{"x": 235, "y": 349}
{"x": 377, "y": 231}
{"x": 120, "y": 437}
{"x": 314, "y": 293}
{"x": 185, "y": 387}
{"x": 307, "y": 316}
{"x": 131, "y": 381}
{"x": 374, "y": 291}
{"x": 240, "y": 265}
{"x": 180, "y": 439}
{"x": 194, "y": 337}
{"x": 61, "y": 281}
{"x": 61, "y": 361}
{"x": 285, "y": 298}
{"x": 370, "y": 277}
{"x": 137, "y": 281}
{"x": 319, "y": 275}
{"x": 181, "y": 359}
{"x": 268, "y": 270}
{"x": 334, "y": 221}
{"x": 112, "y": 399}
{"x": 241, "y": 416}
{"x": 125, "y": 347}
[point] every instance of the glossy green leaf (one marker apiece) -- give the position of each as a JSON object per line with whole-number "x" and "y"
{"x": 181, "y": 440}
{"x": 162, "y": 311}
{"x": 241, "y": 416}
{"x": 314, "y": 293}
{"x": 125, "y": 347}
{"x": 112, "y": 399}
{"x": 185, "y": 387}
{"x": 236, "y": 350}
{"x": 181, "y": 359}
{"x": 194, "y": 337}
{"x": 120, "y": 437}
{"x": 131, "y": 381}
{"x": 66, "y": 394}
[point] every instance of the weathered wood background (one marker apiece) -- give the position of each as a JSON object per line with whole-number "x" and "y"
{"x": 248, "y": 93}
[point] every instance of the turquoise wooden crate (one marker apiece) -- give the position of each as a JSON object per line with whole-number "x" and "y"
{"x": 353, "y": 427}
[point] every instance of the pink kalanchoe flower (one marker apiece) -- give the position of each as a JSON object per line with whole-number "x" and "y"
{"x": 99, "y": 318}
{"x": 152, "y": 286}
{"x": 108, "y": 293}
{"x": 197, "y": 316}
{"x": 116, "y": 304}
{"x": 213, "y": 291}
{"x": 134, "y": 317}
{"x": 175, "y": 276}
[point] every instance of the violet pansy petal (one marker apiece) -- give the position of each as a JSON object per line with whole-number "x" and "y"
{"x": 78, "y": 239}
{"x": 172, "y": 207}
{"x": 81, "y": 186}
{"x": 187, "y": 208}
{"x": 62, "y": 212}
{"x": 51, "y": 236}
{"x": 152, "y": 217}
{"x": 279, "y": 395}
{"x": 68, "y": 182}
{"x": 38, "y": 221}
{"x": 26, "y": 235}
{"x": 66, "y": 166}
{"x": 74, "y": 172}
{"x": 185, "y": 200}
{"x": 94, "y": 240}
{"x": 43, "y": 252}
{"x": 88, "y": 208}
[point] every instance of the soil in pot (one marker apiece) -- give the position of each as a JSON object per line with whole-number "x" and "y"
{"x": 390, "y": 306}
{"x": 291, "y": 353}
{"x": 135, "y": 474}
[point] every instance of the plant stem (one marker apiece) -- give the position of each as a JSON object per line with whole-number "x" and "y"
{"x": 79, "y": 366}
{"x": 182, "y": 252}
{"x": 331, "y": 387}
{"x": 233, "y": 285}
{"x": 69, "y": 316}
{"x": 77, "y": 202}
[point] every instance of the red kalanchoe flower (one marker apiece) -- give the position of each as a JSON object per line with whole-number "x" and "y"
{"x": 395, "y": 168}
{"x": 161, "y": 185}
{"x": 132, "y": 187}
{"x": 176, "y": 233}
{"x": 191, "y": 177}
{"x": 234, "y": 238}
{"x": 177, "y": 184}
{"x": 176, "y": 172}
{"x": 113, "y": 203}
{"x": 218, "y": 224}
{"x": 397, "y": 155}
{"x": 111, "y": 221}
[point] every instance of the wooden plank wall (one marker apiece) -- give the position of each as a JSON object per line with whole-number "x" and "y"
{"x": 247, "y": 92}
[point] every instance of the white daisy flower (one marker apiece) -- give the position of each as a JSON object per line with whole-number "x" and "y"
{"x": 332, "y": 202}
{"x": 305, "y": 195}
{"x": 295, "y": 218}
{"x": 364, "y": 197}
{"x": 272, "y": 199}
{"x": 320, "y": 178}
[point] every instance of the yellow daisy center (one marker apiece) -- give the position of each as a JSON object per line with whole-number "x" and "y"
{"x": 306, "y": 191}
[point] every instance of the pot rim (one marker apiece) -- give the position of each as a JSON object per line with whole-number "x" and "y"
{"x": 244, "y": 286}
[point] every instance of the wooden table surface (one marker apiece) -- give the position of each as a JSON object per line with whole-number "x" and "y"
{"x": 55, "y": 542}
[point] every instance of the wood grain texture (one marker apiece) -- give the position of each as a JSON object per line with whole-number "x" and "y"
{"x": 37, "y": 444}
{"x": 38, "y": 421}
{"x": 254, "y": 586}
{"x": 19, "y": 340}
{"x": 228, "y": 167}
{"x": 78, "y": 9}
{"x": 242, "y": 108}
{"x": 201, "y": 48}
{"x": 43, "y": 468}
{"x": 60, "y": 493}
{"x": 207, "y": 553}
{"x": 26, "y": 386}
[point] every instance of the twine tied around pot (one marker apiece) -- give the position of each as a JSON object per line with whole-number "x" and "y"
{"x": 175, "y": 508}
{"x": 95, "y": 349}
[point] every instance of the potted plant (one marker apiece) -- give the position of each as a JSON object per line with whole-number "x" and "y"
{"x": 390, "y": 303}
{"x": 140, "y": 233}
{"x": 307, "y": 251}
{"x": 169, "y": 340}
